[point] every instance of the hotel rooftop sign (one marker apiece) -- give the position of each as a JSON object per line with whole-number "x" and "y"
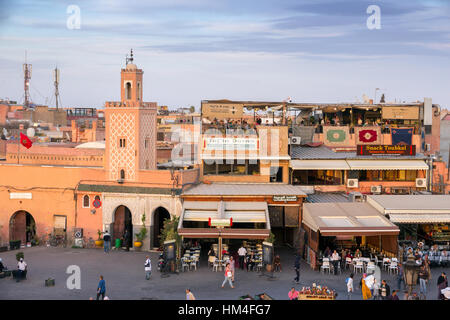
{"x": 401, "y": 150}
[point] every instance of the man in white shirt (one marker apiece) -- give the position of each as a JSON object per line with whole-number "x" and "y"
{"x": 242, "y": 252}
{"x": 350, "y": 286}
{"x": 22, "y": 266}
{"x": 148, "y": 267}
{"x": 335, "y": 261}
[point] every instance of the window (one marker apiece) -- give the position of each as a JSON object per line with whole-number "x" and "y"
{"x": 236, "y": 167}
{"x": 97, "y": 197}
{"x": 276, "y": 174}
{"x": 122, "y": 143}
{"x": 139, "y": 91}
{"x": 122, "y": 174}
{"x": 147, "y": 164}
{"x": 86, "y": 201}
{"x": 128, "y": 90}
{"x": 146, "y": 143}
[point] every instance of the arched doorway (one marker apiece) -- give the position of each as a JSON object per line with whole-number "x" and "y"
{"x": 122, "y": 222}
{"x": 159, "y": 216}
{"x": 22, "y": 227}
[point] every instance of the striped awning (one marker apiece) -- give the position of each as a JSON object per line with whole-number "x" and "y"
{"x": 387, "y": 165}
{"x": 420, "y": 218}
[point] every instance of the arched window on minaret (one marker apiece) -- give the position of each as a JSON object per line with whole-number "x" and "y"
{"x": 128, "y": 90}
{"x": 139, "y": 91}
{"x": 122, "y": 174}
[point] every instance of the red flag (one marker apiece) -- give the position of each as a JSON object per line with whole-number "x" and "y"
{"x": 25, "y": 141}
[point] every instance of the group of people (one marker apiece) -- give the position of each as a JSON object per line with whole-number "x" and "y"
{"x": 21, "y": 269}
{"x": 107, "y": 240}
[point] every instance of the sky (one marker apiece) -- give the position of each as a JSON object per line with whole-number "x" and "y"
{"x": 309, "y": 50}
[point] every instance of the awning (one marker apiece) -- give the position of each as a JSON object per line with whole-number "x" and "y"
{"x": 387, "y": 165}
{"x": 250, "y": 156}
{"x": 420, "y": 218}
{"x": 352, "y": 218}
{"x": 250, "y": 212}
{"x": 319, "y": 165}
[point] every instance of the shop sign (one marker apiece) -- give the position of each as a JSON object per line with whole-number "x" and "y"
{"x": 20, "y": 195}
{"x": 405, "y": 113}
{"x": 284, "y": 198}
{"x": 401, "y": 150}
{"x": 231, "y": 143}
{"x": 220, "y": 222}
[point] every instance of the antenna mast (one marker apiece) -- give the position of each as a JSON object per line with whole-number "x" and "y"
{"x": 26, "y": 84}
{"x": 56, "y": 75}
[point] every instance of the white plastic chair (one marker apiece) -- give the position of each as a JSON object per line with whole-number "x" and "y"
{"x": 386, "y": 263}
{"x": 184, "y": 264}
{"x": 348, "y": 262}
{"x": 216, "y": 265}
{"x": 370, "y": 266}
{"x": 325, "y": 266}
{"x": 393, "y": 267}
{"x": 193, "y": 263}
{"x": 359, "y": 266}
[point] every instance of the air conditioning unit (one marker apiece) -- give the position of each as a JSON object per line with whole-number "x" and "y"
{"x": 295, "y": 140}
{"x": 352, "y": 183}
{"x": 421, "y": 182}
{"x": 375, "y": 189}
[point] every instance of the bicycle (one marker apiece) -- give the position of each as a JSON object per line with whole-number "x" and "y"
{"x": 88, "y": 244}
{"x": 58, "y": 240}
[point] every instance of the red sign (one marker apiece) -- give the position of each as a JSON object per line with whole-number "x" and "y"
{"x": 97, "y": 203}
{"x": 401, "y": 150}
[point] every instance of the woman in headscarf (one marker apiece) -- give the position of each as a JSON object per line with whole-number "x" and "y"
{"x": 365, "y": 289}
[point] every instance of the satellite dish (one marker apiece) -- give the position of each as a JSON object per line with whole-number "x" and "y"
{"x": 30, "y": 132}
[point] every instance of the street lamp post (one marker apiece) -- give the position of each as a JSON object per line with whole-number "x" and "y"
{"x": 411, "y": 272}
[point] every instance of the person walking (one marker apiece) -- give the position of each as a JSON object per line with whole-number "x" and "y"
{"x": 385, "y": 290}
{"x": 365, "y": 289}
{"x": 21, "y": 267}
{"x": 400, "y": 277}
{"x": 148, "y": 268}
{"x": 242, "y": 252}
{"x": 106, "y": 241}
{"x": 101, "y": 288}
{"x": 442, "y": 283}
{"x": 232, "y": 267}
{"x": 375, "y": 290}
{"x": 228, "y": 276}
{"x": 126, "y": 239}
{"x": 297, "y": 268}
{"x": 189, "y": 295}
{"x": 293, "y": 294}
{"x": 335, "y": 261}
{"x": 349, "y": 282}
{"x": 423, "y": 278}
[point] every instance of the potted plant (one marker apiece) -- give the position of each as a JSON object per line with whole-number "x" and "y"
{"x": 99, "y": 241}
{"x": 142, "y": 234}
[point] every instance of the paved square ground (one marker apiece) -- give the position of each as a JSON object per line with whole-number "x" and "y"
{"x": 125, "y": 277}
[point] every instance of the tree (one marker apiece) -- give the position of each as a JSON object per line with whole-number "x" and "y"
{"x": 191, "y": 109}
{"x": 382, "y": 98}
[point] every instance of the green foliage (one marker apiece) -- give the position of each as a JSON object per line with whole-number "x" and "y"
{"x": 19, "y": 255}
{"x": 142, "y": 234}
{"x": 271, "y": 238}
{"x": 99, "y": 233}
{"x": 170, "y": 231}
{"x": 192, "y": 109}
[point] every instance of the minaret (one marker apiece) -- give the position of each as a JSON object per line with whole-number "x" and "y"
{"x": 131, "y": 82}
{"x": 130, "y": 129}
